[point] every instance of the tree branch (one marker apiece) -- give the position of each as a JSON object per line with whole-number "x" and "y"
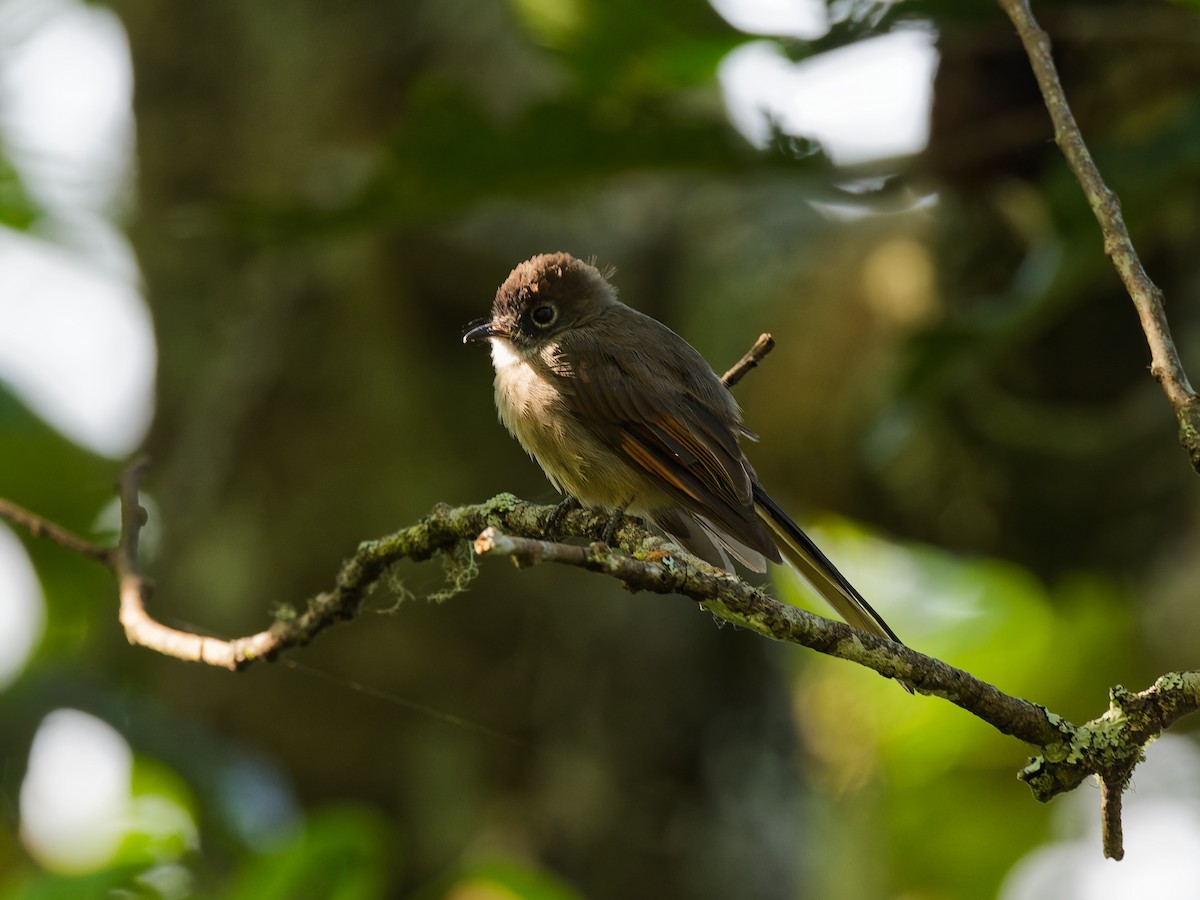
{"x": 764, "y": 345}
{"x": 1112, "y": 832}
{"x": 1140, "y": 716}
{"x": 1110, "y": 746}
{"x": 653, "y": 564}
{"x": 1147, "y": 298}
{"x": 43, "y": 528}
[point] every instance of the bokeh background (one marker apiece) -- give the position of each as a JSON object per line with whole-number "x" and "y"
{"x": 243, "y": 237}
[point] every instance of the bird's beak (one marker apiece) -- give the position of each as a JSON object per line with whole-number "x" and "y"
{"x": 481, "y": 331}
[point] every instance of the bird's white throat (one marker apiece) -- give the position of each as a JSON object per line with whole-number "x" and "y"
{"x": 504, "y": 354}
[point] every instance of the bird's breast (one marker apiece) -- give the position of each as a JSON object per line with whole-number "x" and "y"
{"x": 525, "y": 398}
{"x": 536, "y": 411}
{"x": 530, "y": 407}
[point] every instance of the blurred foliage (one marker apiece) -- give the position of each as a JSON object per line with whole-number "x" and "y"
{"x": 327, "y": 192}
{"x": 17, "y": 208}
{"x": 992, "y": 619}
{"x": 336, "y": 855}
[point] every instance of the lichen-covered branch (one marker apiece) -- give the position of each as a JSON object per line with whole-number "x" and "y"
{"x": 1110, "y": 746}
{"x": 1146, "y": 295}
{"x": 650, "y": 563}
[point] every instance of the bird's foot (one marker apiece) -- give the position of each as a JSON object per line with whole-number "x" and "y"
{"x": 554, "y": 524}
{"x": 609, "y": 535}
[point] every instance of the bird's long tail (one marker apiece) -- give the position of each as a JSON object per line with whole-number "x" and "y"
{"x": 814, "y": 567}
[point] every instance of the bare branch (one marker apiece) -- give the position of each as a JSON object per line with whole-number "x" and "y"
{"x": 1147, "y": 297}
{"x": 1114, "y": 768}
{"x": 1112, "y": 836}
{"x": 764, "y": 345}
{"x": 140, "y": 628}
{"x": 44, "y": 528}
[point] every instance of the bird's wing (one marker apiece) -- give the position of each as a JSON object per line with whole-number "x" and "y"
{"x": 686, "y": 447}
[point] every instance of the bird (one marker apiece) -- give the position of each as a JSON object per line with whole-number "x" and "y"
{"x": 623, "y": 414}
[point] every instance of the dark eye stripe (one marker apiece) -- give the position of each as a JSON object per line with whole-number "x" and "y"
{"x": 544, "y": 315}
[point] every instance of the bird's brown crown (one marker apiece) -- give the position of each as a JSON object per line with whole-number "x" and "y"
{"x": 550, "y": 292}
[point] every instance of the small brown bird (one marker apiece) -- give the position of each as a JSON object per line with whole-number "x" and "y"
{"x": 624, "y": 414}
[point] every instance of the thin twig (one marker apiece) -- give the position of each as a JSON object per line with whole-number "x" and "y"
{"x": 43, "y": 528}
{"x": 764, "y": 345}
{"x": 1147, "y": 297}
{"x": 1165, "y": 366}
{"x": 1112, "y": 836}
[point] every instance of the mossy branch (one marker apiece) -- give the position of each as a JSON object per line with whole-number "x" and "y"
{"x": 1109, "y": 746}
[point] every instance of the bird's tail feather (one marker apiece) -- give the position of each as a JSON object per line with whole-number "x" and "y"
{"x": 814, "y": 567}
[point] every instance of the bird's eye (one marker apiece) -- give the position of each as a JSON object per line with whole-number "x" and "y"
{"x": 544, "y": 316}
